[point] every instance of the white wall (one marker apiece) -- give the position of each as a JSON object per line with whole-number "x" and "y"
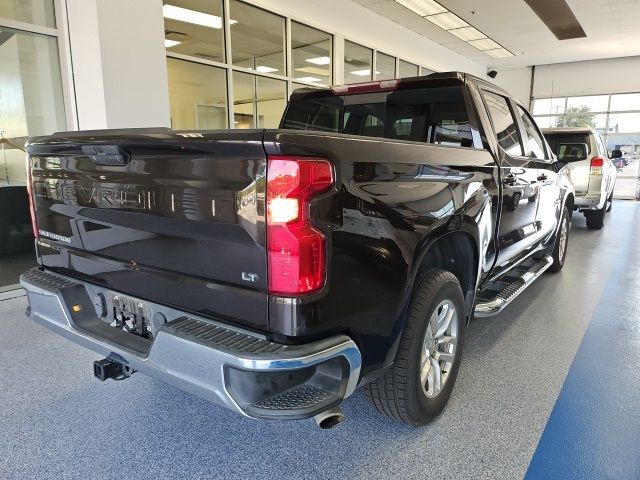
{"x": 119, "y": 63}
{"x": 517, "y": 82}
{"x": 614, "y": 75}
{"x": 361, "y": 25}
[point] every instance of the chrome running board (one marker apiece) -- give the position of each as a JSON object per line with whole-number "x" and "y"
{"x": 502, "y": 293}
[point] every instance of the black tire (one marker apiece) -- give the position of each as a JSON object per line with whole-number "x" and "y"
{"x": 609, "y": 203}
{"x": 399, "y": 393}
{"x": 515, "y": 201}
{"x": 595, "y": 218}
{"x": 559, "y": 253}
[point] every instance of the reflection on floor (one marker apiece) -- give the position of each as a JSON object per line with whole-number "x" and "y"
{"x": 12, "y": 266}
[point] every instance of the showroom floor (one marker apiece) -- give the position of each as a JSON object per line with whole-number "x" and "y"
{"x": 548, "y": 389}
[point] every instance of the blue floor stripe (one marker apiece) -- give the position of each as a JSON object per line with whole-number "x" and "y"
{"x": 594, "y": 429}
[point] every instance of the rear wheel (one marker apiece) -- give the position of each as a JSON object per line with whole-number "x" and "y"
{"x": 416, "y": 388}
{"x": 595, "y": 218}
{"x": 561, "y": 243}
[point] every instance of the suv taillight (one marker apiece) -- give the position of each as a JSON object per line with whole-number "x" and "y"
{"x": 295, "y": 248}
{"x": 596, "y": 165}
{"x": 32, "y": 209}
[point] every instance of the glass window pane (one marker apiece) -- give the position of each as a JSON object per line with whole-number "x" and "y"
{"x": 534, "y": 145}
{"x": 385, "y": 66}
{"x": 311, "y": 54}
{"x": 194, "y": 27}
{"x": 593, "y": 103}
{"x": 257, "y": 38}
{"x": 624, "y": 123}
{"x": 576, "y": 117}
{"x": 357, "y": 63}
{"x": 547, "y": 122}
{"x": 548, "y": 106}
{"x": 257, "y": 96}
{"x": 271, "y": 101}
{"x": 39, "y": 12}
{"x": 626, "y": 101}
{"x": 198, "y": 96}
{"x": 503, "y": 123}
{"x": 407, "y": 69}
{"x": 30, "y": 104}
{"x": 426, "y": 71}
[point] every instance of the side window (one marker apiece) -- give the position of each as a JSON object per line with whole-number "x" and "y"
{"x": 504, "y": 124}
{"x": 533, "y": 142}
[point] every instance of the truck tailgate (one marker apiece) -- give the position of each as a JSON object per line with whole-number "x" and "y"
{"x": 170, "y": 217}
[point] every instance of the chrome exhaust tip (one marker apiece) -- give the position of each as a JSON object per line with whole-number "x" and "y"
{"x": 329, "y": 418}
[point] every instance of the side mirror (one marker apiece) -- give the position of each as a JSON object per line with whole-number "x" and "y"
{"x": 572, "y": 152}
{"x": 616, "y": 153}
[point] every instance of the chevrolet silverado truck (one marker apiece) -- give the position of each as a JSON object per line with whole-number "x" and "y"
{"x": 592, "y": 172}
{"x": 275, "y": 271}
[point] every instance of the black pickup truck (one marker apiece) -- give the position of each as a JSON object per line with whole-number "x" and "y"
{"x": 274, "y": 271}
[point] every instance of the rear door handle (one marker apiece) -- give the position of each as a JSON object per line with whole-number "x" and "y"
{"x": 542, "y": 178}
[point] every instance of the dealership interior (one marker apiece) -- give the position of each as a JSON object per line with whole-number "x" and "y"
{"x": 549, "y": 388}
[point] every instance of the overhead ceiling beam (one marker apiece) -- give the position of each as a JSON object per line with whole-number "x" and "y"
{"x": 558, "y": 18}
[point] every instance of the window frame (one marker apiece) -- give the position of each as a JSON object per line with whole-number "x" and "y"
{"x": 483, "y": 91}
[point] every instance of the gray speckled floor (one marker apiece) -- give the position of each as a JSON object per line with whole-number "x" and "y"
{"x": 58, "y": 422}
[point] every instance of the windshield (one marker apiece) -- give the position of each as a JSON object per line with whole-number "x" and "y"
{"x": 434, "y": 115}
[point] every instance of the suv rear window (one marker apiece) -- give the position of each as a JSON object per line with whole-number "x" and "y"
{"x": 556, "y": 139}
{"x": 433, "y": 115}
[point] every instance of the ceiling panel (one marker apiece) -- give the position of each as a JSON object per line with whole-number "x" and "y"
{"x": 612, "y": 28}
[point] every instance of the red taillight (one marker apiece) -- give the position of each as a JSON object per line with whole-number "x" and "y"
{"x": 32, "y": 209}
{"x": 367, "y": 87}
{"x": 295, "y": 248}
{"x": 596, "y": 165}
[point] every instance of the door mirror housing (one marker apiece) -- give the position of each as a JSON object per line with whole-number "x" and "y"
{"x": 616, "y": 153}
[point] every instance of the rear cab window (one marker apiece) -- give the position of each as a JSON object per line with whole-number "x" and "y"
{"x": 436, "y": 115}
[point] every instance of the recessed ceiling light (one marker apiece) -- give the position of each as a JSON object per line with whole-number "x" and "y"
{"x": 363, "y": 73}
{"x": 319, "y": 60}
{"x": 467, "y": 33}
{"x": 193, "y": 16}
{"x": 447, "y": 21}
{"x": 170, "y": 43}
{"x": 484, "y": 44}
{"x": 499, "y": 53}
{"x": 265, "y": 69}
{"x": 423, "y": 7}
{"x": 309, "y": 79}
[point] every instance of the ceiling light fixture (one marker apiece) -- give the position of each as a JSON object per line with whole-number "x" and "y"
{"x": 309, "y": 79}
{"x": 193, "y": 16}
{"x": 319, "y": 60}
{"x": 363, "y": 73}
{"x": 441, "y": 16}
{"x": 423, "y": 7}
{"x": 170, "y": 43}
{"x": 499, "y": 53}
{"x": 467, "y": 33}
{"x": 265, "y": 69}
{"x": 447, "y": 21}
{"x": 484, "y": 44}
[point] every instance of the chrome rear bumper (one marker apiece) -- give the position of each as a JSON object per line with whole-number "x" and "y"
{"x": 239, "y": 370}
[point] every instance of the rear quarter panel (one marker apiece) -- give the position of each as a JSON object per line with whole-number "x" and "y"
{"x": 392, "y": 198}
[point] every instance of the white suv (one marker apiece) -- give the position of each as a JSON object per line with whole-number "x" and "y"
{"x": 591, "y": 170}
